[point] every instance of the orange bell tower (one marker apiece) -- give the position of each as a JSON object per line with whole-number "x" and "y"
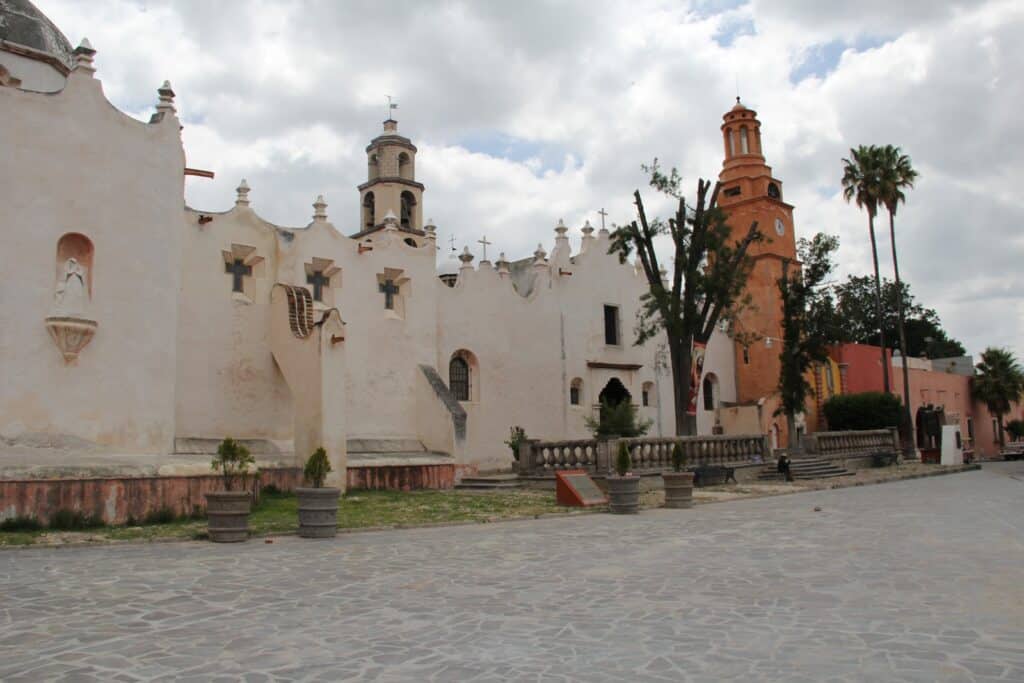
{"x": 750, "y": 193}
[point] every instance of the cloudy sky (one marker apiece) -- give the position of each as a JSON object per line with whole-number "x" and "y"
{"x": 526, "y": 112}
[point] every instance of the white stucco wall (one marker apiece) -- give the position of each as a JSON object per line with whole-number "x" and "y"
{"x": 35, "y": 75}
{"x": 178, "y": 353}
{"x": 73, "y": 163}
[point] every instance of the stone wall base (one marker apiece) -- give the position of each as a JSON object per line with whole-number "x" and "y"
{"x": 402, "y": 477}
{"x": 115, "y": 500}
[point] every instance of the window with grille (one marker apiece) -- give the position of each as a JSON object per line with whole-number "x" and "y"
{"x": 458, "y": 378}
{"x": 611, "y": 325}
{"x": 574, "y": 395}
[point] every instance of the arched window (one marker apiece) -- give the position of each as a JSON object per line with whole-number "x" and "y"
{"x": 368, "y": 211}
{"x": 405, "y": 166}
{"x": 576, "y": 392}
{"x": 647, "y": 394}
{"x": 744, "y": 141}
{"x": 408, "y": 210}
{"x": 710, "y": 389}
{"x": 458, "y": 378}
{"x": 373, "y": 168}
{"x": 732, "y": 142}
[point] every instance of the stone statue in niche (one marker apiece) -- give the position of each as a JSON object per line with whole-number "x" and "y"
{"x": 72, "y": 293}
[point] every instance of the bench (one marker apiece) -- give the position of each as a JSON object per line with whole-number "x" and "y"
{"x": 711, "y": 475}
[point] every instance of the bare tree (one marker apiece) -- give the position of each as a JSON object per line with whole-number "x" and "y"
{"x": 709, "y": 275}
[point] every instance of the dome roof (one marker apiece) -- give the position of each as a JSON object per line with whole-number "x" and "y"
{"x": 21, "y": 22}
{"x": 739, "y": 106}
{"x": 450, "y": 266}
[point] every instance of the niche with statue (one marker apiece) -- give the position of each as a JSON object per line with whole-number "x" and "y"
{"x": 70, "y": 323}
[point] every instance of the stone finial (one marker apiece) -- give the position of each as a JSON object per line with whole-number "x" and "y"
{"x": 466, "y": 258}
{"x": 587, "y": 230}
{"x": 560, "y": 229}
{"x": 430, "y": 227}
{"x": 320, "y": 209}
{"x": 390, "y": 220}
{"x": 83, "y": 55}
{"x": 166, "y": 103}
{"x": 242, "y": 199}
{"x": 502, "y": 265}
{"x": 539, "y": 255}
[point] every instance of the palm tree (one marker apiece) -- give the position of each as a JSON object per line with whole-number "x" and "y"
{"x": 897, "y": 173}
{"x": 862, "y": 183}
{"x": 998, "y": 383}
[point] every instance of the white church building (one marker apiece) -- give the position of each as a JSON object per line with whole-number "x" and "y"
{"x": 134, "y": 325}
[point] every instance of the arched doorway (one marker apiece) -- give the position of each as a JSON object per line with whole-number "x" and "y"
{"x": 614, "y": 393}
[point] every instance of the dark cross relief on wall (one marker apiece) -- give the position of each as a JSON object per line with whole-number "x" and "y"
{"x": 238, "y": 270}
{"x": 389, "y": 289}
{"x": 318, "y": 280}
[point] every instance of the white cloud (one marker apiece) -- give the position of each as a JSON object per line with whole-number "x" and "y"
{"x": 288, "y": 94}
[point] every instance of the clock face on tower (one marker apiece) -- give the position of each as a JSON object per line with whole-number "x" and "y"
{"x": 780, "y": 227}
{"x": 773, "y": 191}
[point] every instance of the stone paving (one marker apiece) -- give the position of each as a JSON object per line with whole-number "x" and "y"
{"x": 914, "y": 581}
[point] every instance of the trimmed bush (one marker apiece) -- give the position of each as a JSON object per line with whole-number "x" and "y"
{"x": 73, "y": 520}
{"x": 623, "y": 463}
{"x": 866, "y": 410}
{"x": 24, "y": 523}
{"x": 317, "y": 468}
{"x": 677, "y": 458}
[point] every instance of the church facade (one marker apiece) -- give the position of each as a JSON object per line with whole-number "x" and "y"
{"x": 133, "y": 324}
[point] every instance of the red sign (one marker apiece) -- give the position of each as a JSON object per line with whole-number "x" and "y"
{"x": 696, "y": 375}
{"x": 575, "y": 488}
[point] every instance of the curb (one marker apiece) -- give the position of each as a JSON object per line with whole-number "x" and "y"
{"x": 434, "y": 525}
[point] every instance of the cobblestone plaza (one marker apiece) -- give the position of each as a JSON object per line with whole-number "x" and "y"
{"x": 912, "y": 581}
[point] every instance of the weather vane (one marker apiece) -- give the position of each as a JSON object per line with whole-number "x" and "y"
{"x": 391, "y": 106}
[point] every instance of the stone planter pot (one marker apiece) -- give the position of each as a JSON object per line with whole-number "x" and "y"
{"x": 624, "y": 495}
{"x": 227, "y": 513}
{"x": 678, "y": 489}
{"x": 318, "y": 512}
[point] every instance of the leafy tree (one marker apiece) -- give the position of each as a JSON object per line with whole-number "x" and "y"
{"x": 897, "y": 174}
{"x": 618, "y": 420}
{"x": 866, "y": 410}
{"x": 862, "y": 183}
{"x": 1015, "y": 428}
{"x": 855, "y": 318}
{"x": 998, "y": 383}
{"x": 806, "y": 318}
{"x": 709, "y": 274}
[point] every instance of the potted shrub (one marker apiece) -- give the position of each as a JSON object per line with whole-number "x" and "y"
{"x": 678, "y": 484}
{"x": 227, "y": 511}
{"x": 624, "y": 489}
{"x": 318, "y": 505}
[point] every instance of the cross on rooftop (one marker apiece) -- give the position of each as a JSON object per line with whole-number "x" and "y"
{"x": 451, "y": 241}
{"x": 389, "y": 289}
{"x": 602, "y": 213}
{"x": 485, "y": 243}
{"x": 318, "y": 280}
{"x": 238, "y": 270}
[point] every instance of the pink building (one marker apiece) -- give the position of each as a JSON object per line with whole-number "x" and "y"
{"x": 944, "y": 383}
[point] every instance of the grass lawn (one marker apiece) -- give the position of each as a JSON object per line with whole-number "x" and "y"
{"x": 278, "y": 513}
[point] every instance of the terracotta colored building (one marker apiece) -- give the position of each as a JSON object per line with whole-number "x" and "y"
{"x": 751, "y": 193}
{"x": 944, "y": 383}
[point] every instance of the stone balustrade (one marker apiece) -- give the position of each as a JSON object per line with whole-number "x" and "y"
{"x": 540, "y": 458}
{"x": 840, "y": 444}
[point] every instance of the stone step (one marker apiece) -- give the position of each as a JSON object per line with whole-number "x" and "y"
{"x": 398, "y": 459}
{"x": 490, "y": 482}
{"x": 386, "y": 445}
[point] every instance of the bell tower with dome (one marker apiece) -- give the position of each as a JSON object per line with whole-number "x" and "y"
{"x": 750, "y": 193}
{"x": 391, "y": 186}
